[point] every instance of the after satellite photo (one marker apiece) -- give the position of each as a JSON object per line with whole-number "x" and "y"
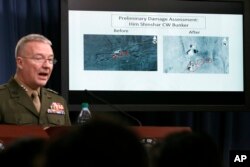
{"x": 183, "y": 54}
{"x": 120, "y": 52}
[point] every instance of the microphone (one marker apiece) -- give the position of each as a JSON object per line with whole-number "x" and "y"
{"x": 114, "y": 107}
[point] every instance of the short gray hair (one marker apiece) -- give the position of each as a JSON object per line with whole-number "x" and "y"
{"x": 29, "y": 38}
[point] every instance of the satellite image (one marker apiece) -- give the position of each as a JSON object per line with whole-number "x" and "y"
{"x": 120, "y": 52}
{"x": 196, "y": 54}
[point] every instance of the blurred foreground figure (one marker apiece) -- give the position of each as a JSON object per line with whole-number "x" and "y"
{"x": 186, "y": 149}
{"x": 26, "y": 152}
{"x": 98, "y": 143}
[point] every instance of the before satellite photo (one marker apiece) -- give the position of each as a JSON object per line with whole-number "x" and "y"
{"x": 120, "y": 52}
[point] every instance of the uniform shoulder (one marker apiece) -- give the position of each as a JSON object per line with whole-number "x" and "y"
{"x": 54, "y": 94}
{"x": 52, "y": 91}
{"x": 3, "y": 86}
{"x": 4, "y": 91}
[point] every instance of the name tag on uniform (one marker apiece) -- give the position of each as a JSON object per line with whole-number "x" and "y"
{"x": 56, "y": 108}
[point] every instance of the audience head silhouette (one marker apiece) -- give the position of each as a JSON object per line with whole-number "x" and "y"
{"x": 100, "y": 142}
{"x": 187, "y": 149}
{"x": 26, "y": 151}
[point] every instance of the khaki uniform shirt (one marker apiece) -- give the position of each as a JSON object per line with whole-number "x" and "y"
{"x": 16, "y": 107}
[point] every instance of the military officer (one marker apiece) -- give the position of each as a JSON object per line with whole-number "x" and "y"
{"x": 24, "y": 99}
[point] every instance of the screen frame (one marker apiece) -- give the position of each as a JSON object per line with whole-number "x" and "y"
{"x": 154, "y": 100}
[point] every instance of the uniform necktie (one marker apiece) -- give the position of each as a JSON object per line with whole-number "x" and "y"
{"x": 36, "y": 100}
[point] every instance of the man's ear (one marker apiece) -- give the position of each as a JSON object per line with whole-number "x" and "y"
{"x": 19, "y": 62}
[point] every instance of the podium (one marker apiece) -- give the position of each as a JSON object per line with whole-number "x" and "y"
{"x": 9, "y": 133}
{"x": 157, "y": 132}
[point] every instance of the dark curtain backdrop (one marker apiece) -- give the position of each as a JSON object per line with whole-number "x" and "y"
{"x": 20, "y": 17}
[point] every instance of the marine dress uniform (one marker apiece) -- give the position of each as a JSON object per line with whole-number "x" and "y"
{"x": 17, "y": 107}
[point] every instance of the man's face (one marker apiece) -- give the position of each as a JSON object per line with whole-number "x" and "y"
{"x": 35, "y": 64}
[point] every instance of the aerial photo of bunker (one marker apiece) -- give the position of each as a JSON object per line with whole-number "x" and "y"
{"x": 185, "y": 54}
{"x": 120, "y": 52}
